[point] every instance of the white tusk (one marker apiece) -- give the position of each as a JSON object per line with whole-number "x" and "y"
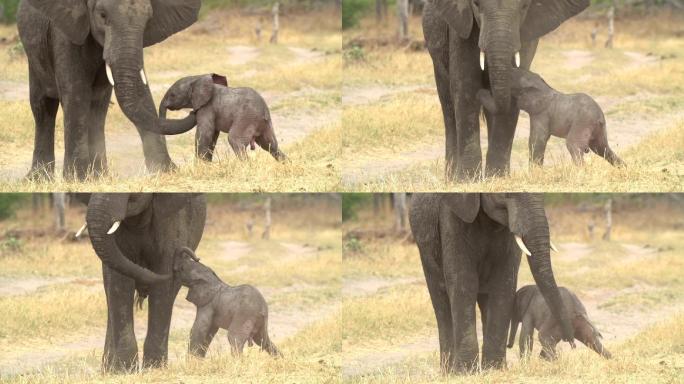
{"x": 517, "y": 59}
{"x": 142, "y": 76}
{"x": 522, "y": 246}
{"x": 482, "y": 60}
{"x": 553, "y": 247}
{"x": 114, "y": 227}
{"x": 110, "y": 77}
{"x": 80, "y": 231}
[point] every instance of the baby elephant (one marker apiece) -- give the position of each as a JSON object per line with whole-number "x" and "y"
{"x": 532, "y": 310}
{"x": 240, "y": 112}
{"x": 575, "y": 117}
{"x": 241, "y": 309}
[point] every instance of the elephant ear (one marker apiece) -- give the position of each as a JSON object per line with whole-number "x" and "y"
{"x": 496, "y": 207}
{"x": 202, "y": 91}
{"x": 219, "y": 79}
{"x": 457, "y": 14}
{"x": 202, "y": 293}
{"x": 169, "y": 17}
{"x": 464, "y": 205}
{"x": 544, "y": 16}
{"x": 69, "y": 16}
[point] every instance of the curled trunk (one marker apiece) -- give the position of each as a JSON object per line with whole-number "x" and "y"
{"x": 103, "y": 211}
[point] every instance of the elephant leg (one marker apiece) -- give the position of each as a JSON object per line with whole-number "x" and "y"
{"x": 501, "y": 126}
{"x": 205, "y": 142}
{"x": 239, "y": 332}
{"x": 430, "y": 252}
{"x": 465, "y": 81}
{"x": 585, "y": 333}
{"x": 526, "y": 341}
{"x": 600, "y": 147}
{"x": 44, "y": 111}
{"x": 548, "y": 340}
{"x": 156, "y": 154}
{"x": 501, "y": 300}
{"x": 462, "y": 282}
{"x": 76, "y": 145}
{"x": 121, "y": 348}
{"x": 96, "y": 125}
{"x": 267, "y": 141}
{"x": 203, "y": 331}
{"x": 239, "y": 144}
{"x": 539, "y": 136}
{"x": 162, "y": 296}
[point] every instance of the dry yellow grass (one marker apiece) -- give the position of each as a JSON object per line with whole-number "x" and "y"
{"x": 393, "y": 122}
{"x": 60, "y": 325}
{"x": 617, "y": 280}
{"x": 300, "y": 78}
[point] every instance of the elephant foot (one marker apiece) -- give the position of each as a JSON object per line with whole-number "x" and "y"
{"x": 154, "y": 361}
{"x": 112, "y": 363}
{"x": 498, "y": 363}
{"x": 161, "y": 165}
{"x": 41, "y": 173}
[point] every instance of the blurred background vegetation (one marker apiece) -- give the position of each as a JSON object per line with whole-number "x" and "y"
{"x": 8, "y": 8}
{"x": 354, "y": 10}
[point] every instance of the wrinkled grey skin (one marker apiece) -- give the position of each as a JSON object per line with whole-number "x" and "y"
{"x": 470, "y": 256}
{"x": 531, "y": 309}
{"x": 241, "y": 310}
{"x": 240, "y": 112}
{"x": 67, "y": 43}
{"x": 456, "y": 31}
{"x": 139, "y": 255}
{"x": 575, "y": 117}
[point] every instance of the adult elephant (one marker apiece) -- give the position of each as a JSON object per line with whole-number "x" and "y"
{"x": 470, "y": 246}
{"x": 77, "y": 50}
{"x": 135, "y": 236}
{"x": 501, "y": 34}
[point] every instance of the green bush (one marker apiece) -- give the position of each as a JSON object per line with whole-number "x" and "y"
{"x": 351, "y": 202}
{"x": 8, "y": 11}
{"x": 8, "y": 203}
{"x": 352, "y": 10}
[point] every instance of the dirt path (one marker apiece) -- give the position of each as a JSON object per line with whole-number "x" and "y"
{"x": 623, "y": 133}
{"x": 283, "y": 323}
{"x": 616, "y": 327}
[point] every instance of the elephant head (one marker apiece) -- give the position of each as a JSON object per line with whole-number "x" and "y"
{"x": 530, "y": 92}
{"x": 503, "y": 25}
{"x": 189, "y": 92}
{"x": 123, "y": 28}
{"x": 525, "y": 217}
{"x": 105, "y": 215}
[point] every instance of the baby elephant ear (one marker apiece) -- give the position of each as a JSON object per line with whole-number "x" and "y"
{"x": 202, "y": 91}
{"x": 219, "y": 79}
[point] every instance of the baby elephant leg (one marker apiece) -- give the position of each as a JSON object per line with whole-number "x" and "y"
{"x": 239, "y": 144}
{"x": 205, "y": 142}
{"x": 267, "y": 141}
{"x": 202, "y": 333}
{"x": 589, "y": 336}
{"x": 549, "y": 336}
{"x": 577, "y": 143}
{"x": 600, "y": 147}
{"x": 539, "y": 136}
{"x": 261, "y": 339}
{"x": 239, "y": 332}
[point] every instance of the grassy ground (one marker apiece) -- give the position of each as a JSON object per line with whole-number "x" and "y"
{"x": 299, "y": 79}
{"x": 394, "y": 135}
{"x": 54, "y": 310}
{"x": 631, "y": 286}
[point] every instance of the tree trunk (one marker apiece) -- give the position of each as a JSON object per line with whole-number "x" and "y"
{"x": 276, "y": 23}
{"x": 609, "y": 219}
{"x": 59, "y": 201}
{"x": 267, "y": 227}
{"x": 402, "y": 13}
{"x": 611, "y": 31}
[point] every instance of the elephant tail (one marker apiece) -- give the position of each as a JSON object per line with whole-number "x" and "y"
{"x": 141, "y": 293}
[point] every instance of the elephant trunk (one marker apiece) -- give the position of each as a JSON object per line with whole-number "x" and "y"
{"x": 162, "y": 107}
{"x": 499, "y": 56}
{"x": 103, "y": 212}
{"x": 133, "y": 93}
{"x": 537, "y": 241}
